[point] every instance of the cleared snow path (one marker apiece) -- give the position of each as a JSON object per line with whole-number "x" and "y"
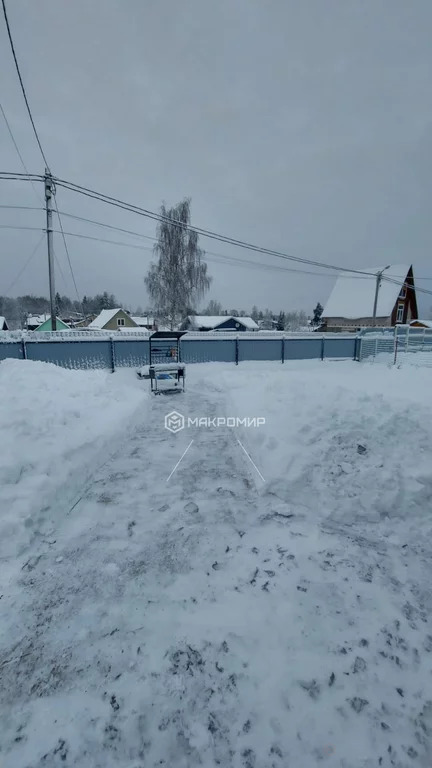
{"x": 204, "y": 621}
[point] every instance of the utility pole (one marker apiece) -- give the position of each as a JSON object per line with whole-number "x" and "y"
{"x": 48, "y": 198}
{"x": 377, "y": 287}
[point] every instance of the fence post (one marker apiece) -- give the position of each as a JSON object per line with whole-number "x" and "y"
{"x": 322, "y": 347}
{"x": 112, "y": 355}
{"x": 395, "y": 345}
{"x": 356, "y": 348}
{"x": 236, "y": 350}
{"x": 23, "y": 348}
{"x": 283, "y": 350}
{"x": 376, "y": 348}
{"x": 407, "y": 339}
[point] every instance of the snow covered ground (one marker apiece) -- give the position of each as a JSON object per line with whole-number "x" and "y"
{"x": 226, "y": 614}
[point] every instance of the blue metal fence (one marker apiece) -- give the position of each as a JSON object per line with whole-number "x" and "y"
{"x": 117, "y": 351}
{"x": 208, "y": 350}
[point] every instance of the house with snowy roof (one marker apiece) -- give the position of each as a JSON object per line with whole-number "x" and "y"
{"x": 3, "y": 324}
{"x": 417, "y": 324}
{"x": 350, "y": 305}
{"x": 112, "y": 320}
{"x": 145, "y": 321}
{"x": 218, "y": 323}
{"x": 43, "y": 323}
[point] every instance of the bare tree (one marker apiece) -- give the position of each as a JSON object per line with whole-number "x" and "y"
{"x": 179, "y": 277}
{"x": 213, "y": 308}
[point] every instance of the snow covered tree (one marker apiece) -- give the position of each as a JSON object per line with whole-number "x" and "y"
{"x": 295, "y": 320}
{"x": 179, "y": 277}
{"x": 267, "y": 320}
{"x": 281, "y": 321}
{"x": 316, "y": 319}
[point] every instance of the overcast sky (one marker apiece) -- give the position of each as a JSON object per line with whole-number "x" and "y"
{"x": 301, "y": 125}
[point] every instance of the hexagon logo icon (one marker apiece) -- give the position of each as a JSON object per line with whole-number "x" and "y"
{"x": 174, "y": 421}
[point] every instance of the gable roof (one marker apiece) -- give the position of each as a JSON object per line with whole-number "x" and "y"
{"x": 353, "y": 295}
{"x": 143, "y": 320}
{"x": 213, "y": 321}
{"x": 61, "y": 325}
{"x": 3, "y": 323}
{"x": 105, "y": 316}
{"x": 36, "y": 319}
{"x": 424, "y": 323}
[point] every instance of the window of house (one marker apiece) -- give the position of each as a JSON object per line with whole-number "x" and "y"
{"x": 120, "y": 321}
{"x": 400, "y": 313}
{"x": 403, "y": 292}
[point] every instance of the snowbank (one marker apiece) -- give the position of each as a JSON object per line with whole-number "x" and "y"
{"x": 197, "y": 622}
{"x": 57, "y": 425}
{"x": 351, "y": 441}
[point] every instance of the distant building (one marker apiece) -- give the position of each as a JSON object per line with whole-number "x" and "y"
{"x": 34, "y": 321}
{"x": 418, "y": 324}
{"x": 3, "y": 324}
{"x": 149, "y": 323}
{"x": 218, "y": 323}
{"x": 351, "y": 302}
{"x": 112, "y": 320}
{"x": 47, "y": 325}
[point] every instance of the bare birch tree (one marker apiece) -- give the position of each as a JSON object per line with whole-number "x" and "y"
{"x": 178, "y": 279}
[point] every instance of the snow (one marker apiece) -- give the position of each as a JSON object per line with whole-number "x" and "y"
{"x": 248, "y": 322}
{"x": 165, "y": 367}
{"x": 55, "y": 424}
{"x": 424, "y": 323}
{"x": 36, "y": 320}
{"x": 104, "y": 317}
{"x": 353, "y": 295}
{"x": 212, "y": 321}
{"x": 143, "y": 321}
{"x": 214, "y": 618}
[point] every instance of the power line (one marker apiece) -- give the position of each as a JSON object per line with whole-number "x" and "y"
{"x": 406, "y": 285}
{"x": 229, "y": 259}
{"x": 67, "y": 252}
{"x": 21, "y": 81}
{"x": 15, "y": 280}
{"x": 199, "y": 230}
{"x": 10, "y": 226}
{"x": 108, "y": 226}
{"x": 9, "y": 176}
{"x": 205, "y": 233}
{"x": 22, "y": 207}
{"x": 206, "y": 253}
{"x": 37, "y": 138}
{"x": 32, "y": 182}
{"x": 16, "y": 147}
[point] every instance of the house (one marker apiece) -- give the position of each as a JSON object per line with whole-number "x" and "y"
{"x": 47, "y": 325}
{"x": 112, "y": 320}
{"x": 351, "y": 303}
{"x": 149, "y": 323}
{"x": 34, "y": 321}
{"x": 218, "y": 323}
{"x": 414, "y": 323}
{"x": 3, "y": 324}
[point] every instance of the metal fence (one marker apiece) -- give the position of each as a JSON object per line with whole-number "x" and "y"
{"x": 82, "y": 350}
{"x": 402, "y": 345}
